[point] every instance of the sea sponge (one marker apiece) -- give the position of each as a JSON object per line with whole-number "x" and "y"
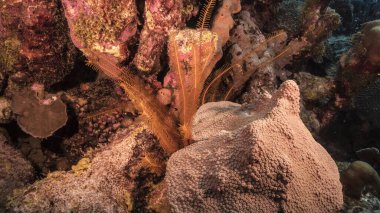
{"x": 15, "y": 171}
{"x": 255, "y": 158}
{"x": 223, "y": 21}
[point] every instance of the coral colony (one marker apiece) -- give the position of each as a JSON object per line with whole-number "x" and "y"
{"x": 189, "y": 106}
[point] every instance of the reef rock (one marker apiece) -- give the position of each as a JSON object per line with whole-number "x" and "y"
{"x": 15, "y": 171}
{"x": 105, "y": 26}
{"x": 35, "y": 41}
{"x": 98, "y": 183}
{"x": 253, "y": 158}
{"x": 160, "y": 17}
{"x": 112, "y": 27}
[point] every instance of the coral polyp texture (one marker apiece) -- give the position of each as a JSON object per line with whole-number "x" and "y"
{"x": 256, "y": 158}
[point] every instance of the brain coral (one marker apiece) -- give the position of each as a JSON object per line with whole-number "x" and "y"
{"x": 256, "y": 158}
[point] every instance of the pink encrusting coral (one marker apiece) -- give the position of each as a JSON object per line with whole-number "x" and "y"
{"x": 255, "y": 158}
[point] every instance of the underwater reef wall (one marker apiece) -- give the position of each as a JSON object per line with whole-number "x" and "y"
{"x": 253, "y": 158}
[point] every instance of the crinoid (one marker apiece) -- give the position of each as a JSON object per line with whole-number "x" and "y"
{"x": 161, "y": 123}
{"x": 205, "y": 15}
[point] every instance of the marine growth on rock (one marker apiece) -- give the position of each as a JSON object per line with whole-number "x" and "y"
{"x": 189, "y": 106}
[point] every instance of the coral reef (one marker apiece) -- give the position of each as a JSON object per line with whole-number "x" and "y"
{"x": 367, "y": 203}
{"x": 145, "y": 172}
{"x": 101, "y": 110}
{"x": 314, "y": 88}
{"x": 5, "y": 110}
{"x": 223, "y": 21}
{"x": 126, "y": 127}
{"x": 346, "y": 11}
{"x": 249, "y": 50}
{"x": 261, "y": 59}
{"x": 193, "y": 54}
{"x": 96, "y": 183}
{"x": 370, "y": 156}
{"x": 367, "y": 105}
{"x": 253, "y": 158}
{"x": 371, "y": 41}
{"x": 15, "y": 171}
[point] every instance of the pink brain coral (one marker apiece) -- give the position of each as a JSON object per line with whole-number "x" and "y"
{"x": 257, "y": 158}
